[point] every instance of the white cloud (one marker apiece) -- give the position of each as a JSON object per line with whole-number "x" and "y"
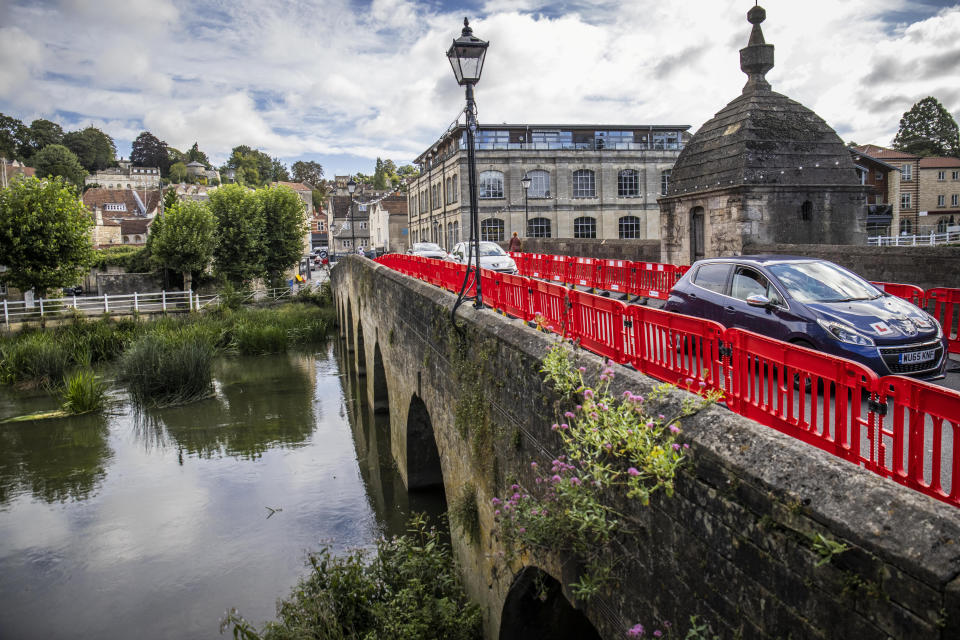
{"x": 300, "y": 79}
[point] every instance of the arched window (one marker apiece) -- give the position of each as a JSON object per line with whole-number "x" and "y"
{"x": 585, "y": 227}
{"x": 665, "y": 181}
{"x": 628, "y": 184}
{"x": 455, "y": 188}
{"x": 906, "y": 226}
{"x": 538, "y": 228}
{"x": 584, "y": 184}
{"x": 492, "y": 230}
{"x": 491, "y": 185}
{"x": 806, "y": 211}
{"x": 539, "y": 184}
{"x": 629, "y": 227}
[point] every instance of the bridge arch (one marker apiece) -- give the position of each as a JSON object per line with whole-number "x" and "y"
{"x": 379, "y": 394}
{"x": 361, "y": 355}
{"x": 423, "y": 458}
{"x": 348, "y": 328}
{"x": 535, "y": 608}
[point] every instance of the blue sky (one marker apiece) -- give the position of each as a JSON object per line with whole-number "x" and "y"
{"x": 344, "y": 81}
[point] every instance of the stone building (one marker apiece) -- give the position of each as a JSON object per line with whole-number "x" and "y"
{"x": 123, "y": 203}
{"x": 939, "y": 199}
{"x": 388, "y": 224}
{"x": 587, "y": 181}
{"x": 126, "y": 176}
{"x": 764, "y": 170}
{"x": 883, "y": 203}
{"x": 906, "y": 202}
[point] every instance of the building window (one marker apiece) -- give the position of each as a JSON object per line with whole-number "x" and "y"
{"x": 665, "y": 181}
{"x": 423, "y": 201}
{"x": 806, "y": 210}
{"x": 629, "y": 227}
{"x": 941, "y": 176}
{"x": 346, "y": 244}
{"x": 456, "y": 233}
{"x": 363, "y": 225}
{"x": 456, "y": 188}
{"x": 906, "y": 227}
{"x": 941, "y": 201}
{"x": 878, "y": 175}
{"x": 906, "y": 172}
{"x": 906, "y": 201}
{"x": 942, "y": 225}
{"x": 492, "y": 230}
{"x": 955, "y": 200}
{"x": 585, "y": 227}
{"x": 584, "y": 185}
{"x": 491, "y": 185}
{"x": 955, "y": 175}
{"x": 539, "y": 184}
{"x": 628, "y": 183}
{"x": 538, "y": 228}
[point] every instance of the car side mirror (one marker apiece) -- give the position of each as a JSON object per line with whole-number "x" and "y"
{"x": 757, "y": 300}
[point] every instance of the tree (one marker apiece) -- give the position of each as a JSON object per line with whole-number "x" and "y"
{"x": 56, "y": 160}
{"x": 308, "y": 172}
{"x": 279, "y": 171}
{"x": 178, "y": 172}
{"x": 928, "y": 129}
{"x": 45, "y": 235}
{"x": 175, "y": 156}
{"x": 40, "y": 134}
{"x": 150, "y": 151}
{"x": 195, "y": 155}
{"x": 170, "y": 198}
{"x": 94, "y": 149}
{"x": 252, "y": 167}
{"x": 380, "y": 180}
{"x": 238, "y": 254}
{"x": 183, "y": 239}
{"x": 285, "y": 225}
{"x": 12, "y": 135}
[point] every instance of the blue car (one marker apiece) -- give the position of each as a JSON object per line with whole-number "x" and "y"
{"x": 816, "y": 304}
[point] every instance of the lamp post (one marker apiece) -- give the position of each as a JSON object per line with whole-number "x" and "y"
{"x": 525, "y": 182}
{"x": 466, "y": 56}
{"x": 351, "y": 187}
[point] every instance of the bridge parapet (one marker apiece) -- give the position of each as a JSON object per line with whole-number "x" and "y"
{"x": 737, "y": 544}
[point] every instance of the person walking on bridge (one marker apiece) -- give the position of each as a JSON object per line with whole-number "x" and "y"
{"x": 515, "y": 243}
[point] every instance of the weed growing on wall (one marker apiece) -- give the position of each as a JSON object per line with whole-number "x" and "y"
{"x": 609, "y": 443}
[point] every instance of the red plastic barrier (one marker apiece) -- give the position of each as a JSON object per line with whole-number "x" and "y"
{"x": 615, "y": 275}
{"x": 944, "y": 305}
{"x": 918, "y": 441}
{"x": 582, "y": 272}
{"x": 653, "y": 279}
{"x": 812, "y": 396}
{"x": 538, "y": 265}
{"x": 682, "y": 350}
{"x": 598, "y": 323}
{"x": 516, "y": 296}
{"x": 557, "y": 271}
{"x": 908, "y": 292}
{"x": 550, "y": 301}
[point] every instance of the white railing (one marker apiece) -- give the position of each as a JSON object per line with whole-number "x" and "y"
{"x": 923, "y": 239}
{"x": 128, "y": 304}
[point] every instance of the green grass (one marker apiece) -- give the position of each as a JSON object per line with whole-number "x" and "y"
{"x": 167, "y": 368}
{"x": 83, "y": 392}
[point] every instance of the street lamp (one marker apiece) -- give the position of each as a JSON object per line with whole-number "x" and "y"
{"x": 525, "y": 182}
{"x": 466, "y": 56}
{"x": 351, "y": 187}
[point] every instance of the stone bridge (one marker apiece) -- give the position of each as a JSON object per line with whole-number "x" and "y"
{"x": 739, "y": 542}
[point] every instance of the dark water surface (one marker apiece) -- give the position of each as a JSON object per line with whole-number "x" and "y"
{"x": 152, "y": 525}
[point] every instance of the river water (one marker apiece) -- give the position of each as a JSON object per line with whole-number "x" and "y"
{"x": 153, "y": 524}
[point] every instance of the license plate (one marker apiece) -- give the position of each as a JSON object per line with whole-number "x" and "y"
{"x": 918, "y": 356}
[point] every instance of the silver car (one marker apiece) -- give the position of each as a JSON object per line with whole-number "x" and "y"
{"x": 428, "y": 250}
{"x": 491, "y": 256}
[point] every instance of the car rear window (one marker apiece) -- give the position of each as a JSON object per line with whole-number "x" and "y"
{"x": 712, "y": 277}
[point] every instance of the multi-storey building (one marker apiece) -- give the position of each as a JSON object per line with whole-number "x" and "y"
{"x": 939, "y": 207}
{"x": 906, "y": 211}
{"x": 126, "y": 176}
{"x": 348, "y": 217}
{"x": 883, "y": 211}
{"x": 586, "y": 181}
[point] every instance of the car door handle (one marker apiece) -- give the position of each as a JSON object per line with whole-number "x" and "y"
{"x": 729, "y": 309}
{"x": 693, "y": 296}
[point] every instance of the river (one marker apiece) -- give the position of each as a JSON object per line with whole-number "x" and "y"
{"x": 152, "y": 524}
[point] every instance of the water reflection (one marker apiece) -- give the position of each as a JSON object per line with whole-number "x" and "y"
{"x": 260, "y": 403}
{"x": 55, "y": 460}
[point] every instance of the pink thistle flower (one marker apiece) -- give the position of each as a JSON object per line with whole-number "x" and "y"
{"x": 607, "y": 446}
{"x": 495, "y": 501}
{"x": 650, "y": 424}
{"x": 702, "y": 384}
{"x": 496, "y": 512}
{"x": 603, "y": 378}
{"x": 521, "y": 530}
{"x": 686, "y": 446}
{"x": 582, "y": 369}
{"x": 676, "y": 447}
{"x": 578, "y": 407}
{"x": 539, "y": 480}
{"x": 633, "y": 471}
{"x": 657, "y": 633}
{"x": 533, "y": 465}
{"x": 554, "y": 427}
{"x": 569, "y": 414}
{"x": 563, "y": 426}
{"x": 575, "y": 481}
{"x": 556, "y": 478}
{"x": 514, "y": 486}
{"x": 627, "y": 394}
{"x": 674, "y": 429}
{"x": 635, "y": 631}
{"x": 588, "y": 394}
{"x": 689, "y": 381}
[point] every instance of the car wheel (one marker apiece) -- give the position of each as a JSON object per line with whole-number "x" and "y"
{"x": 796, "y": 377}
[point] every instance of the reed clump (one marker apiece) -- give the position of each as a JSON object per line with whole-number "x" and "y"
{"x": 167, "y": 368}
{"x": 83, "y": 392}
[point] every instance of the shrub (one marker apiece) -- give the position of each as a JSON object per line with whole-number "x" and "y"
{"x": 166, "y": 368}
{"x": 410, "y": 588}
{"x": 83, "y": 392}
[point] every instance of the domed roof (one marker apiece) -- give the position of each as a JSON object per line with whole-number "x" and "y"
{"x": 761, "y": 137}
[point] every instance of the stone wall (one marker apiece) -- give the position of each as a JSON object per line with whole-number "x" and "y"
{"x": 128, "y": 283}
{"x": 636, "y": 250}
{"x": 737, "y": 544}
{"x": 925, "y": 267}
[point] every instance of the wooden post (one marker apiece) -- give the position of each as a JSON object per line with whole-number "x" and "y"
{"x": 164, "y": 300}
{"x": 106, "y": 304}
{"x": 136, "y": 303}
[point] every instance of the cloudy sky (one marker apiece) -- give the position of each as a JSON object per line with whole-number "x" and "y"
{"x": 345, "y": 81}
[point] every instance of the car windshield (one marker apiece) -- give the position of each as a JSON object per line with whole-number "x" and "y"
{"x": 822, "y": 282}
{"x": 491, "y": 249}
{"x": 426, "y": 246}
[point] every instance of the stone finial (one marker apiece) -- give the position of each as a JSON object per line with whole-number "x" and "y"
{"x": 756, "y": 59}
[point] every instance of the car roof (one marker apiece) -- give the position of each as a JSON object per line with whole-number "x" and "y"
{"x": 763, "y": 260}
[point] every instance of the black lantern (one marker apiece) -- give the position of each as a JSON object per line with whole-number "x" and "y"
{"x": 525, "y": 183}
{"x": 466, "y": 56}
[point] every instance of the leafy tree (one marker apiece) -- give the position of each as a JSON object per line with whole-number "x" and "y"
{"x": 57, "y": 160}
{"x": 170, "y": 198}
{"x": 380, "y": 179}
{"x": 279, "y": 171}
{"x": 238, "y": 254}
{"x": 183, "y": 239}
{"x": 45, "y": 235}
{"x": 175, "y": 156}
{"x": 40, "y": 134}
{"x": 928, "y": 129}
{"x": 195, "y": 155}
{"x": 308, "y": 172}
{"x": 285, "y": 224}
{"x": 178, "y": 172}
{"x": 94, "y": 149}
{"x": 252, "y": 167}
{"x": 12, "y": 135}
{"x": 150, "y": 151}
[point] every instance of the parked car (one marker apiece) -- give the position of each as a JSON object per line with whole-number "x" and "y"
{"x": 75, "y": 290}
{"x": 492, "y": 256}
{"x": 816, "y": 304}
{"x": 428, "y": 250}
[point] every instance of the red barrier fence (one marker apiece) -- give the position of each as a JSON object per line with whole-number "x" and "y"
{"x": 897, "y": 427}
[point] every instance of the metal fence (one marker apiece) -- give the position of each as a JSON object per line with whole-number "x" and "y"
{"x": 921, "y": 239}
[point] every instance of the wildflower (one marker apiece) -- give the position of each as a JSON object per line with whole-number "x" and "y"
{"x": 627, "y": 394}
{"x": 593, "y": 415}
{"x": 702, "y": 384}
{"x": 607, "y": 446}
{"x": 686, "y": 446}
{"x": 563, "y": 426}
{"x": 569, "y": 414}
{"x": 650, "y": 424}
{"x": 588, "y": 394}
{"x": 662, "y": 417}
{"x": 674, "y": 429}
{"x": 516, "y": 497}
{"x": 689, "y": 381}
{"x": 521, "y": 530}
{"x": 496, "y": 512}
{"x": 515, "y": 487}
{"x": 539, "y": 480}
{"x": 495, "y": 501}
{"x": 554, "y": 427}
{"x": 533, "y": 465}
{"x": 608, "y": 371}
{"x": 676, "y": 447}
{"x": 666, "y": 624}
{"x": 556, "y": 478}
{"x": 629, "y": 432}
{"x": 582, "y": 369}
{"x": 633, "y": 471}
{"x": 575, "y": 481}
{"x": 657, "y": 633}
{"x": 578, "y": 407}
{"x": 635, "y": 631}
{"x": 603, "y": 378}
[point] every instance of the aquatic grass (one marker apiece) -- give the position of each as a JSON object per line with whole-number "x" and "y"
{"x": 167, "y": 368}
{"x": 34, "y": 359}
{"x": 83, "y": 392}
{"x": 250, "y": 337}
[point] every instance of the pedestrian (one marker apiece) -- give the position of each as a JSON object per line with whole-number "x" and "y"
{"x": 515, "y": 244}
